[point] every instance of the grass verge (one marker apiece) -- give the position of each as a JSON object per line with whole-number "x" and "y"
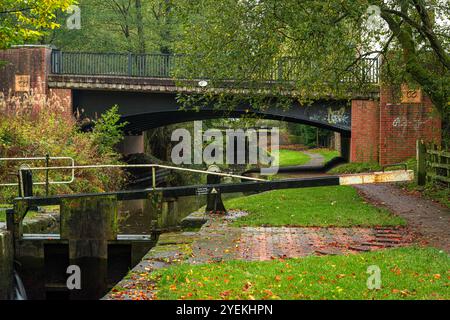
{"x": 327, "y": 154}
{"x": 292, "y": 158}
{"x": 321, "y": 206}
{"x": 406, "y": 273}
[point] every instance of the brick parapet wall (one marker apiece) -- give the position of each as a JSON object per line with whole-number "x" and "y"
{"x": 27, "y": 60}
{"x": 34, "y": 61}
{"x": 365, "y": 131}
{"x": 401, "y": 124}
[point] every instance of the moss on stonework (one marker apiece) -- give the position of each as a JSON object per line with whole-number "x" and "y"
{"x": 99, "y": 212}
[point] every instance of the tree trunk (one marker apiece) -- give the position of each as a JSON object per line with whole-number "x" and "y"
{"x": 140, "y": 27}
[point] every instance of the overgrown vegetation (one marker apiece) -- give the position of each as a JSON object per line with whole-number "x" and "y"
{"x": 107, "y": 132}
{"x": 356, "y": 167}
{"x": 321, "y": 206}
{"x": 35, "y": 125}
{"x": 407, "y": 273}
{"x": 434, "y": 191}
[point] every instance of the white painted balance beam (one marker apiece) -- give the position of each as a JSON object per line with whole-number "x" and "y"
{"x": 376, "y": 177}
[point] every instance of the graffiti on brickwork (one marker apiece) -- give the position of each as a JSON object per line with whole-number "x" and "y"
{"x": 400, "y": 121}
{"x": 337, "y": 116}
{"x": 340, "y": 116}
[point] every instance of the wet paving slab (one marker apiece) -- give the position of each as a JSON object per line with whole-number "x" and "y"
{"x": 219, "y": 240}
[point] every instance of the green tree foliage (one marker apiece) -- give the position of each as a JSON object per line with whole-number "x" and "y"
{"x": 27, "y": 20}
{"x": 310, "y": 136}
{"x": 244, "y": 39}
{"x": 124, "y": 26}
{"x": 119, "y": 26}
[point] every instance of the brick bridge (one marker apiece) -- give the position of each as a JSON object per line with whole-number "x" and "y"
{"x": 370, "y": 128}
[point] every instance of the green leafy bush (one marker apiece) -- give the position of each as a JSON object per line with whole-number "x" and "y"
{"x": 108, "y": 132}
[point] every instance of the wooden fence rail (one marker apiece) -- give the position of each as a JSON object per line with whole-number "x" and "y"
{"x": 433, "y": 164}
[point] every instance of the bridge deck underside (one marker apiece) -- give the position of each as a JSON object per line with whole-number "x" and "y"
{"x": 143, "y": 110}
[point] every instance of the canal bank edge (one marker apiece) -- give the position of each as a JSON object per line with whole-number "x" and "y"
{"x": 171, "y": 248}
{"x": 42, "y": 223}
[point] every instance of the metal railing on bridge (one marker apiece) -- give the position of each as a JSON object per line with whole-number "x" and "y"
{"x": 166, "y": 65}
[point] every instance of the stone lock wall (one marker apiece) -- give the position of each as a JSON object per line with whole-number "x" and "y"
{"x": 6, "y": 265}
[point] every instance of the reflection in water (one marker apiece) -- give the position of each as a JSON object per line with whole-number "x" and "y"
{"x": 19, "y": 288}
{"x": 136, "y": 216}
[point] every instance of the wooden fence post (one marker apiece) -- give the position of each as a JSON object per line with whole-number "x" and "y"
{"x": 421, "y": 175}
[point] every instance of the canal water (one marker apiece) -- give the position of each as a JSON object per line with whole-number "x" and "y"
{"x": 137, "y": 216}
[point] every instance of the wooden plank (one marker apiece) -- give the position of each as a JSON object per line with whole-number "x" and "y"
{"x": 439, "y": 165}
{"x": 377, "y": 177}
{"x": 438, "y": 177}
{"x": 441, "y": 153}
